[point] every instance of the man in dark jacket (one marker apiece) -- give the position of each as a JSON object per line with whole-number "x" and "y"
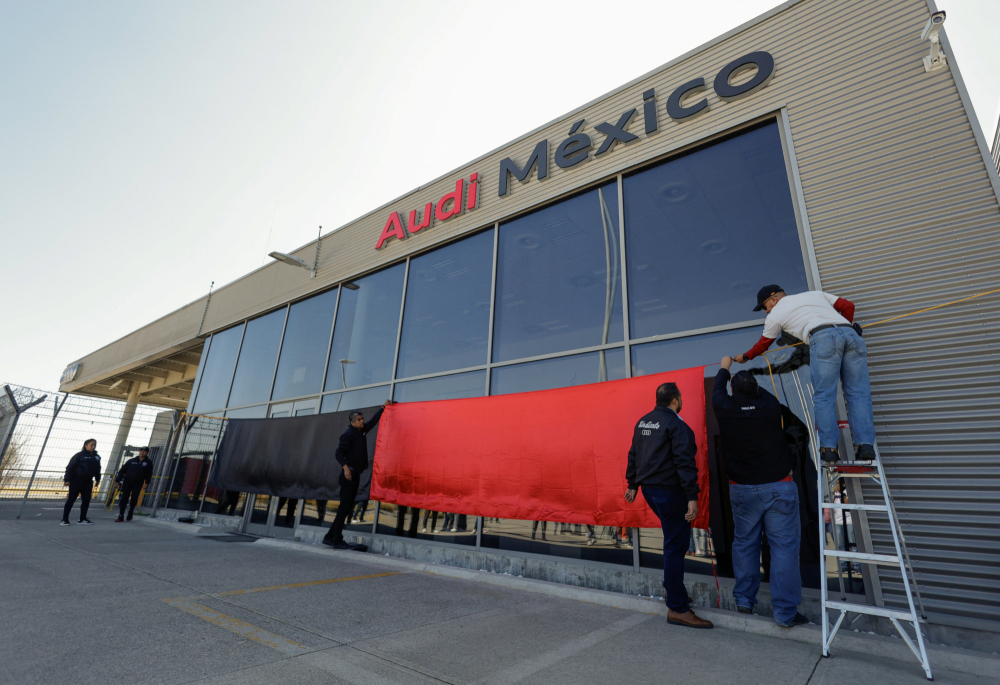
{"x": 352, "y": 455}
{"x": 764, "y": 497}
{"x": 662, "y": 463}
{"x": 134, "y": 474}
{"x": 81, "y": 472}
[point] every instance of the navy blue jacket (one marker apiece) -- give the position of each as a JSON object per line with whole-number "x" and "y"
{"x": 84, "y": 464}
{"x": 663, "y": 454}
{"x": 135, "y": 470}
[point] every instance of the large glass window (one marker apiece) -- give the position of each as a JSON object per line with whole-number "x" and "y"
{"x": 254, "y": 370}
{"x": 423, "y": 524}
{"x": 456, "y": 386}
{"x": 364, "y": 339}
{"x": 303, "y": 349}
{"x": 559, "y": 278}
{"x": 218, "y": 372}
{"x": 559, "y": 372}
{"x": 447, "y": 317}
{"x": 682, "y": 353}
{"x": 704, "y": 231}
{"x": 355, "y": 399}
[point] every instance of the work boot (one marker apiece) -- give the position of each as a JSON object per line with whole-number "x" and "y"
{"x": 688, "y": 618}
{"x": 865, "y": 453}
{"x": 797, "y": 620}
{"x": 829, "y": 456}
{"x": 743, "y": 610}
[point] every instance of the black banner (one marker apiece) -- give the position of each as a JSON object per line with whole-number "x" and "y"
{"x": 287, "y": 457}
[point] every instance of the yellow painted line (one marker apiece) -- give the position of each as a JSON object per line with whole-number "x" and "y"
{"x": 288, "y": 586}
{"x": 242, "y": 628}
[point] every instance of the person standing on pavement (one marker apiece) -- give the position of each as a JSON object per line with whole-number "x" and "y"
{"x": 764, "y": 497}
{"x": 662, "y": 462}
{"x": 82, "y": 472}
{"x": 132, "y": 477}
{"x": 352, "y": 455}
{"x": 836, "y": 352}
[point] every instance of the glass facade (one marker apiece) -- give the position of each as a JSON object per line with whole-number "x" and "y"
{"x": 685, "y": 244}
{"x": 304, "y": 346}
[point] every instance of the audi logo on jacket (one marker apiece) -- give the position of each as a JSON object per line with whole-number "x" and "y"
{"x": 663, "y": 454}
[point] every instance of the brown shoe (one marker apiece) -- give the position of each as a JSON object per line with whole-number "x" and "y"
{"x": 688, "y": 619}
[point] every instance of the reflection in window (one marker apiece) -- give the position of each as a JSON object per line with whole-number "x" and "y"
{"x": 609, "y": 544}
{"x": 303, "y": 349}
{"x": 456, "y": 386}
{"x": 355, "y": 399}
{"x": 422, "y": 524}
{"x": 256, "y": 412}
{"x": 193, "y": 461}
{"x": 559, "y": 372}
{"x": 447, "y": 316}
{"x": 254, "y": 370}
{"x": 218, "y": 373}
{"x": 696, "y": 350}
{"x": 704, "y": 231}
{"x": 364, "y": 339}
{"x": 559, "y": 278}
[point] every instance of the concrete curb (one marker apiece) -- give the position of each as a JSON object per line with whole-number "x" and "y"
{"x": 188, "y": 528}
{"x": 952, "y": 658}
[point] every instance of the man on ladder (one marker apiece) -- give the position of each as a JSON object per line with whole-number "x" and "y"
{"x": 836, "y": 352}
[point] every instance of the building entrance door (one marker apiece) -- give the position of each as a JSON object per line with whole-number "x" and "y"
{"x": 277, "y": 516}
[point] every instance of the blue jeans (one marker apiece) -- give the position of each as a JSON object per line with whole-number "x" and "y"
{"x": 840, "y": 353}
{"x": 671, "y": 506}
{"x": 773, "y": 507}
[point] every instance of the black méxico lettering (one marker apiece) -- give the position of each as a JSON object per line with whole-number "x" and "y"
{"x": 765, "y": 71}
{"x": 649, "y": 111}
{"x": 574, "y": 149}
{"x": 616, "y": 132}
{"x": 674, "y": 108}
{"x": 539, "y": 156}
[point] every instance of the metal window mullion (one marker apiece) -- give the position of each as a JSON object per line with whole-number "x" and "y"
{"x": 281, "y": 344}
{"x": 329, "y": 347}
{"x": 493, "y": 300}
{"x": 399, "y": 328}
{"x": 201, "y": 370}
{"x": 621, "y": 247}
{"x": 215, "y": 452}
{"x": 798, "y": 197}
{"x": 236, "y": 364}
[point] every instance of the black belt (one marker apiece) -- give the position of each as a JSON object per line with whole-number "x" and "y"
{"x": 829, "y": 325}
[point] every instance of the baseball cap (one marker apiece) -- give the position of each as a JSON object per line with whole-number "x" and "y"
{"x": 765, "y": 293}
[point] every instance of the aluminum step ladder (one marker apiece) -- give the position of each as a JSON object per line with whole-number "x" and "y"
{"x": 901, "y": 559}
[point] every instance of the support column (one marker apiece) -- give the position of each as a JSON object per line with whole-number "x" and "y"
{"x": 123, "y": 429}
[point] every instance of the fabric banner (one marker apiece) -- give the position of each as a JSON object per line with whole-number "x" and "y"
{"x": 287, "y": 457}
{"x": 552, "y": 455}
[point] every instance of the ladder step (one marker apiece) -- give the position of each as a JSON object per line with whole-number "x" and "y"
{"x": 870, "y": 610}
{"x": 887, "y": 559}
{"x": 865, "y": 507}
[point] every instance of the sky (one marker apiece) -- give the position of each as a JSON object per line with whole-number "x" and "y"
{"x": 148, "y": 149}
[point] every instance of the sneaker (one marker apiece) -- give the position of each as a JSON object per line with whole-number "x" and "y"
{"x": 865, "y": 453}
{"x": 128, "y": 519}
{"x": 454, "y": 530}
{"x": 341, "y": 545}
{"x": 829, "y": 456}
{"x": 591, "y": 542}
{"x": 84, "y": 522}
{"x": 65, "y": 523}
{"x": 743, "y": 610}
{"x": 424, "y": 529}
{"x": 119, "y": 520}
{"x": 798, "y": 620}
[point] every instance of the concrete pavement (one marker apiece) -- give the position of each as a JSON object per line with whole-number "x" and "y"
{"x": 142, "y": 603}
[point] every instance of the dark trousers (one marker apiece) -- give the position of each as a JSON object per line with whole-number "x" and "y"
{"x": 348, "y": 491}
{"x": 82, "y": 488}
{"x": 130, "y": 493}
{"x": 670, "y": 506}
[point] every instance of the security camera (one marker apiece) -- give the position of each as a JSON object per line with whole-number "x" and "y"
{"x": 935, "y": 60}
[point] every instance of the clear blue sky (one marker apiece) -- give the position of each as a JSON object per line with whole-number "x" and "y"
{"x": 149, "y": 148}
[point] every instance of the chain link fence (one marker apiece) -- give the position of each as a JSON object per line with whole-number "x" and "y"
{"x": 40, "y": 431}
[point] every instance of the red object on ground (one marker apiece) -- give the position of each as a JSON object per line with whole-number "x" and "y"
{"x": 552, "y": 455}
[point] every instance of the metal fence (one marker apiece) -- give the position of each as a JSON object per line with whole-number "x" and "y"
{"x": 40, "y": 431}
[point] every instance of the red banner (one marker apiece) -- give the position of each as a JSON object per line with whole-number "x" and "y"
{"x": 552, "y": 455}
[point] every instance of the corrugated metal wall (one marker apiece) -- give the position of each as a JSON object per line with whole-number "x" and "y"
{"x": 902, "y": 213}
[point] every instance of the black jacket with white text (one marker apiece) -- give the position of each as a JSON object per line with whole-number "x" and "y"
{"x": 663, "y": 454}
